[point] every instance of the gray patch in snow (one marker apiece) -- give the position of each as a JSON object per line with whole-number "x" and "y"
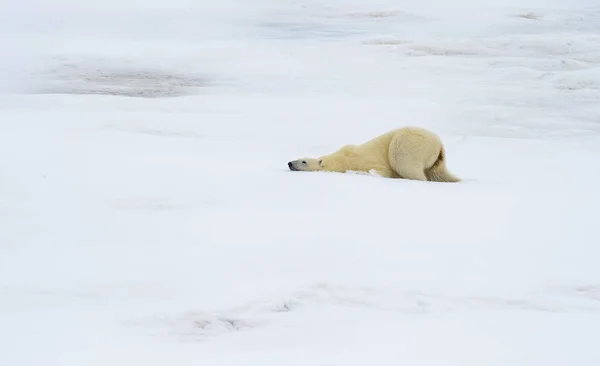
{"x": 590, "y": 292}
{"x": 223, "y": 323}
{"x": 284, "y": 307}
{"x": 530, "y": 16}
{"x": 101, "y": 78}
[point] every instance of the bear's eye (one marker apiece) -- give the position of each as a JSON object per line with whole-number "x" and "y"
{"x": 303, "y": 162}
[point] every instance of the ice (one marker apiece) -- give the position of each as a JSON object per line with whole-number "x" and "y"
{"x": 147, "y": 215}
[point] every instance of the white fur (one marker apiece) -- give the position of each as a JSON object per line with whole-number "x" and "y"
{"x": 408, "y": 152}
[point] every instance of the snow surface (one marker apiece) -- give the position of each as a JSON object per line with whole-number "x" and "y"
{"x": 147, "y": 216}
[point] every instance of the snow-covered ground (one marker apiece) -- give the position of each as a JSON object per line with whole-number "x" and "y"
{"x": 147, "y": 215}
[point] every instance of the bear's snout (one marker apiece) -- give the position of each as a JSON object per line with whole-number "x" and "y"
{"x": 291, "y": 166}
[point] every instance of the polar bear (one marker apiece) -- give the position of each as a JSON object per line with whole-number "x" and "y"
{"x": 409, "y": 153}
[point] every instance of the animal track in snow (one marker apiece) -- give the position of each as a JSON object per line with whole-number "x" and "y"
{"x": 288, "y": 309}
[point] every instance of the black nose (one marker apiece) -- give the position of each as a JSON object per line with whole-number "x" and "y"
{"x": 290, "y": 164}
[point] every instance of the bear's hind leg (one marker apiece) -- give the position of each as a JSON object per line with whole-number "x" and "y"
{"x": 411, "y": 171}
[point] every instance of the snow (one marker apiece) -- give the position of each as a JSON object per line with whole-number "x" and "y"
{"x": 147, "y": 215}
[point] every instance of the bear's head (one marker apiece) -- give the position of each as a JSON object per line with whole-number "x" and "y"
{"x": 306, "y": 165}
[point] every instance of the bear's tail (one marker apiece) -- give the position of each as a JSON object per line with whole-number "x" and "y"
{"x": 438, "y": 171}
